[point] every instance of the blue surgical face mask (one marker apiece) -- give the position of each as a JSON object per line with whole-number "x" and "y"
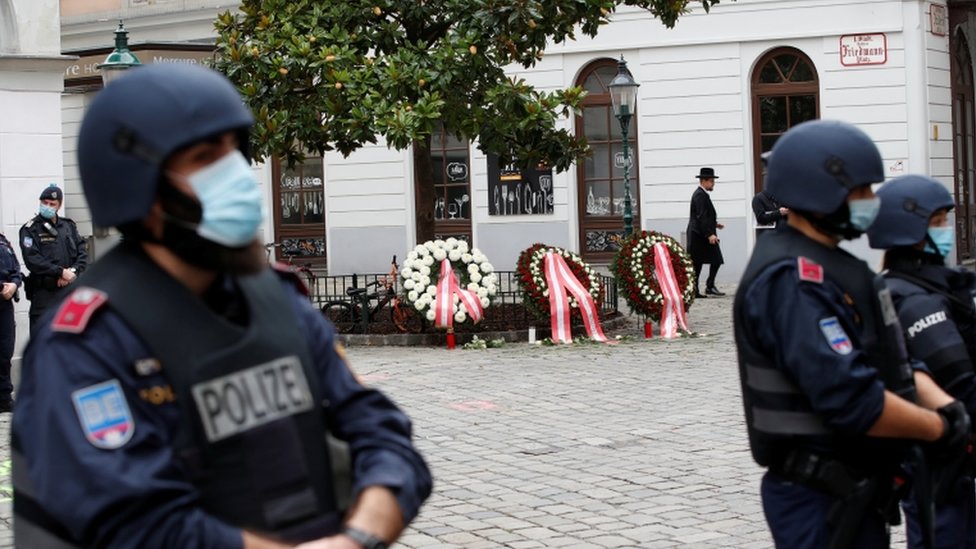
{"x": 944, "y": 238}
{"x": 231, "y": 199}
{"x": 47, "y": 212}
{"x": 863, "y": 212}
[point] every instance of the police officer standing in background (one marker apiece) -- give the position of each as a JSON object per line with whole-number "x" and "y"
{"x": 184, "y": 393}
{"x": 935, "y": 306}
{"x": 53, "y": 251}
{"x": 827, "y": 384}
{"x": 10, "y": 281}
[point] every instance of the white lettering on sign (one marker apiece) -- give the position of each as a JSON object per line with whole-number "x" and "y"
{"x": 238, "y": 402}
{"x": 457, "y": 171}
{"x": 863, "y": 49}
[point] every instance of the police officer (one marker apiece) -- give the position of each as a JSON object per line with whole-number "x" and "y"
{"x": 826, "y": 383}
{"x": 936, "y": 309}
{"x": 184, "y": 394}
{"x": 10, "y": 282}
{"x": 52, "y": 250}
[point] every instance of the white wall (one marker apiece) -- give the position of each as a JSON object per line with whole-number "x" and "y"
{"x": 31, "y": 81}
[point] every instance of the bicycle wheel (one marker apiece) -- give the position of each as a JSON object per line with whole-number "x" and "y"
{"x": 406, "y": 318}
{"x": 343, "y": 316}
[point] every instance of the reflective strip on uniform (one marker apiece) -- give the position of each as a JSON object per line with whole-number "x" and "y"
{"x": 768, "y": 380}
{"x": 787, "y": 423}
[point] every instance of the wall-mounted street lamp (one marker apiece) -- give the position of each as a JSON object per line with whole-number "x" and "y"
{"x": 623, "y": 95}
{"x": 120, "y": 60}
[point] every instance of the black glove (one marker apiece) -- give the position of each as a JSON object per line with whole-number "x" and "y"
{"x": 956, "y": 428}
{"x": 949, "y": 457}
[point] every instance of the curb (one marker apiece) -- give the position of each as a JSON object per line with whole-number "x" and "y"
{"x": 439, "y": 339}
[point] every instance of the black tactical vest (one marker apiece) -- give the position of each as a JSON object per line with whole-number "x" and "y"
{"x": 778, "y": 416}
{"x": 959, "y": 289}
{"x": 252, "y": 432}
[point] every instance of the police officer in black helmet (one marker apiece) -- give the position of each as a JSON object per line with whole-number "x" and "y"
{"x": 827, "y": 386}
{"x": 936, "y": 309}
{"x": 53, "y": 251}
{"x": 184, "y": 394}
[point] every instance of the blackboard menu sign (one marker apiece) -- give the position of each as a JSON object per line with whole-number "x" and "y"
{"x": 518, "y": 191}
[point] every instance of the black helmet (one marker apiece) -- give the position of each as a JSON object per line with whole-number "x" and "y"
{"x": 907, "y": 204}
{"x": 815, "y": 165}
{"x": 138, "y": 121}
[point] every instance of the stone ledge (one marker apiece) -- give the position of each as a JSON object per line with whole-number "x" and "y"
{"x": 439, "y": 339}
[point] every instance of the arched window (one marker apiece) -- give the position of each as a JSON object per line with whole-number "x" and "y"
{"x": 600, "y": 193}
{"x": 785, "y": 92}
{"x": 963, "y": 146}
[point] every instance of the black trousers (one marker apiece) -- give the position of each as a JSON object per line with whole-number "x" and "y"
{"x": 8, "y": 334}
{"x": 41, "y": 301}
{"x": 712, "y": 271}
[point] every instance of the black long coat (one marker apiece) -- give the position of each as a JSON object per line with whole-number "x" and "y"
{"x": 702, "y": 224}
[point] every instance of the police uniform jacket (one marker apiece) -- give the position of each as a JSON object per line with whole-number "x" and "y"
{"x": 800, "y": 321}
{"x": 9, "y": 266}
{"x": 138, "y": 495}
{"x": 702, "y": 223}
{"x": 49, "y": 246}
{"x": 936, "y": 309}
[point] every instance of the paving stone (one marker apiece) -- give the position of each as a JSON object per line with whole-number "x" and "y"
{"x": 639, "y": 444}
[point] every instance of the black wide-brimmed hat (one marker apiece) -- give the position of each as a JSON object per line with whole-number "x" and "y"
{"x": 706, "y": 173}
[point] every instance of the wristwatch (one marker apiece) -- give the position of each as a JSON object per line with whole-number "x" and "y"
{"x": 367, "y": 540}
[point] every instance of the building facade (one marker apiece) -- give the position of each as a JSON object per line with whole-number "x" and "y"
{"x": 717, "y": 90}
{"x": 31, "y": 83}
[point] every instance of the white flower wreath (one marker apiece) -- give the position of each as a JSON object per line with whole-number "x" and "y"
{"x": 422, "y": 269}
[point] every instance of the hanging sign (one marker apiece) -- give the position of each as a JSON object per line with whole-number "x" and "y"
{"x": 863, "y": 49}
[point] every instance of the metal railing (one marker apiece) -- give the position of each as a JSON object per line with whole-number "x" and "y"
{"x": 506, "y": 308}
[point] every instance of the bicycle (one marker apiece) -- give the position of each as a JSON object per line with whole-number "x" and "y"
{"x": 347, "y": 316}
{"x": 304, "y": 270}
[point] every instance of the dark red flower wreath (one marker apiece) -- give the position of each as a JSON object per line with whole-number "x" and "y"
{"x": 633, "y": 268}
{"x": 532, "y": 282}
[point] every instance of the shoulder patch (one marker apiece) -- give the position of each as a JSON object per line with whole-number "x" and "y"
{"x": 28, "y": 241}
{"x": 289, "y": 274}
{"x": 77, "y": 310}
{"x": 810, "y": 270}
{"x": 835, "y": 335}
{"x": 104, "y": 414}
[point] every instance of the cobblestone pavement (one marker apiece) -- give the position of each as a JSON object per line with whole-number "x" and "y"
{"x": 639, "y": 444}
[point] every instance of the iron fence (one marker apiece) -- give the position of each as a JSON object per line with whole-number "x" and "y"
{"x": 505, "y": 305}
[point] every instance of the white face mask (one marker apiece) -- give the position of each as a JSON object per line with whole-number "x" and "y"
{"x": 231, "y": 200}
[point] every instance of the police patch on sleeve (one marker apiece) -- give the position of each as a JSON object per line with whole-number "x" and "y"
{"x": 28, "y": 242}
{"x": 104, "y": 415}
{"x": 836, "y": 336}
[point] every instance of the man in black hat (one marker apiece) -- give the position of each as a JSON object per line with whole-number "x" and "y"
{"x": 702, "y": 238}
{"x": 53, "y": 251}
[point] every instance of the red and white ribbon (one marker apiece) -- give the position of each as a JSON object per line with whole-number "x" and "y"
{"x": 673, "y": 309}
{"x": 560, "y": 278}
{"x": 447, "y": 288}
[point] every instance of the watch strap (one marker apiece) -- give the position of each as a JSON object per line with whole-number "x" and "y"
{"x": 367, "y": 540}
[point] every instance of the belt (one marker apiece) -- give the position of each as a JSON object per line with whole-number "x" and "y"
{"x": 822, "y": 473}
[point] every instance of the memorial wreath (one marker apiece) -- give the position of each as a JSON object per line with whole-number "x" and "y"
{"x": 532, "y": 278}
{"x": 420, "y": 272}
{"x": 633, "y": 268}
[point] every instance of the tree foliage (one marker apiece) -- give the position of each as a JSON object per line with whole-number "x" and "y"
{"x": 326, "y": 75}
